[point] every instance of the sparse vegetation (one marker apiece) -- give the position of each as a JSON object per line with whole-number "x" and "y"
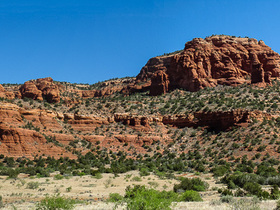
{"x": 56, "y": 202}
{"x": 245, "y": 158}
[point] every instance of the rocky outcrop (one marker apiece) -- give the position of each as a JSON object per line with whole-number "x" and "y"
{"x": 211, "y": 61}
{"x": 41, "y": 89}
{"x": 6, "y": 94}
{"x": 160, "y": 83}
{"x": 135, "y": 120}
{"x": 124, "y": 86}
{"x": 18, "y": 142}
{"x": 87, "y": 123}
{"x": 217, "y": 120}
{"x": 137, "y": 140}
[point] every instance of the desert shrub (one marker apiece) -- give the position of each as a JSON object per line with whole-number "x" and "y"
{"x": 68, "y": 189}
{"x": 274, "y": 193}
{"x": 226, "y": 199}
{"x": 115, "y": 197}
{"x": 144, "y": 172}
{"x": 220, "y": 170}
{"x": 138, "y": 198}
{"x": 13, "y": 173}
{"x": 241, "y": 179}
{"x": 136, "y": 179}
{"x": 195, "y": 184}
{"x": 273, "y": 180}
{"x": 1, "y": 202}
{"x": 191, "y": 195}
{"x": 58, "y": 177}
{"x": 153, "y": 184}
{"x": 32, "y": 185}
{"x": 98, "y": 176}
{"x": 55, "y": 202}
{"x": 246, "y": 203}
{"x": 252, "y": 188}
{"x": 266, "y": 171}
{"x": 255, "y": 189}
{"x": 244, "y": 168}
{"x": 278, "y": 205}
{"x": 226, "y": 192}
{"x": 239, "y": 193}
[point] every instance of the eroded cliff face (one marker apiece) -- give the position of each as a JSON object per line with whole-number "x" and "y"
{"x": 64, "y": 129}
{"x": 208, "y": 62}
{"x": 216, "y": 120}
{"x": 31, "y": 132}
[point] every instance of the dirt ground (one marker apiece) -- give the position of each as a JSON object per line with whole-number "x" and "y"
{"x": 94, "y": 191}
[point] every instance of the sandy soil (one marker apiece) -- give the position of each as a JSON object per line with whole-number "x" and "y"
{"x": 95, "y": 191}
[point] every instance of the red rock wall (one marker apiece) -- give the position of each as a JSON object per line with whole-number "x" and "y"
{"x": 208, "y": 62}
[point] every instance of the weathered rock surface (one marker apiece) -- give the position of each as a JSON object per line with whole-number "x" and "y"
{"x": 134, "y": 120}
{"x": 218, "y": 120}
{"x": 208, "y": 62}
{"x": 30, "y": 132}
{"x": 18, "y": 142}
{"x": 203, "y": 63}
{"x": 124, "y": 86}
{"x": 87, "y": 123}
{"x": 213, "y": 120}
{"x": 6, "y": 94}
{"x": 41, "y": 88}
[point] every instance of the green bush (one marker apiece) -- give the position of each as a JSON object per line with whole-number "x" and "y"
{"x": 275, "y": 193}
{"x": 253, "y": 188}
{"x": 55, "y": 202}
{"x": 58, "y": 177}
{"x": 32, "y": 185}
{"x": 191, "y": 195}
{"x": 226, "y": 192}
{"x": 239, "y": 193}
{"x": 144, "y": 172}
{"x": 220, "y": 170}
{"x": 278, "y": 205}
{"x": 226, "y": 199}
{"x": 13, "y": 173}
{"x": 138, "y": 198}
{"x": 1, "y": 202}
{"x": 195, "y": 184}
{"x": 115, "y": 197}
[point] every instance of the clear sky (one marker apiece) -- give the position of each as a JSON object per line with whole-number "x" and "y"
{"x": 86, "y": 41}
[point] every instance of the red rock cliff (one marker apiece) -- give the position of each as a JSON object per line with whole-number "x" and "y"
{"x": 41, "y": 88}
{"x": 208, "y": 62}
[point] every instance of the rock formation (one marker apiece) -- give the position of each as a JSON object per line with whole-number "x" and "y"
{"x": 6, "y": 94}
{"x": 39, "y": 89}
{"x": 79, "y": 126}
{"x": 217, "y": 120}
{"x": 211, "y": 61}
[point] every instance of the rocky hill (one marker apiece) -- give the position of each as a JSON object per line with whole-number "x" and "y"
{"x": 236, "y": 88}
{"x": 216, "y": 60}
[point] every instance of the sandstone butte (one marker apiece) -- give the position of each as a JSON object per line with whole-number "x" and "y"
{"x": 216, "y": 60}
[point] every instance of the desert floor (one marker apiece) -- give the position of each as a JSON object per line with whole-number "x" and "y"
{"x": 95, "y": 191}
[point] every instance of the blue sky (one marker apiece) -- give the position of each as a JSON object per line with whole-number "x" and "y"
{"x": 86, "y": 41}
